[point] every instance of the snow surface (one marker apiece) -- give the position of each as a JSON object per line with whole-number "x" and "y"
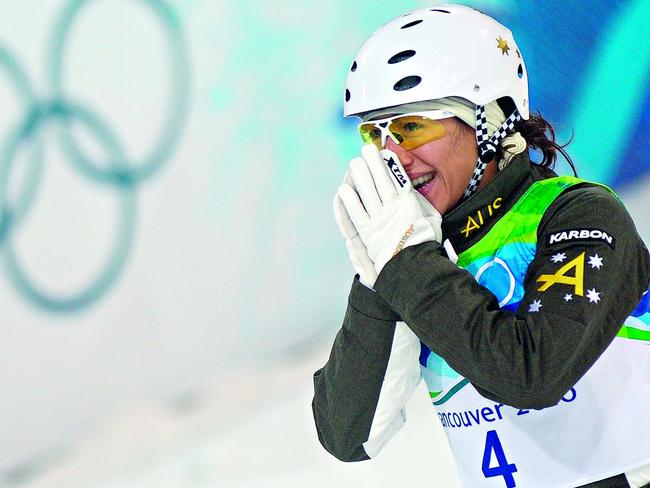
{"x": 260, "y": 434}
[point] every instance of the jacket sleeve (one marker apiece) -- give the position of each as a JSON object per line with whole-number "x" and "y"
{"x": 372, "y": 371}
{"x": 578, "y": 292}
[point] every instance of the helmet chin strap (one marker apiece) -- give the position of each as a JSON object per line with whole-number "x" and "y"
{"x": 487, "y": 146}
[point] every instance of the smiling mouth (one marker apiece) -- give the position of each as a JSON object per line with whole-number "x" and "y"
{"x": 422, "y": 180}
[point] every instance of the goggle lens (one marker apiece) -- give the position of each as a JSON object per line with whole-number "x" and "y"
{"x": 371, "y": 134}
{"x": 409, "y": 131}
{"x": 414, "y": 131}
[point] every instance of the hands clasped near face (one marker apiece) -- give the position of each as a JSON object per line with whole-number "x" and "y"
{"x": 379, "y": 213}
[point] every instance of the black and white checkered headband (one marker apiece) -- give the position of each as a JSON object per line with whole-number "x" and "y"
{"x": 487, "y": 146}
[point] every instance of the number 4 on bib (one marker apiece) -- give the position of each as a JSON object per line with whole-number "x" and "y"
{"x": 493, "y": 445}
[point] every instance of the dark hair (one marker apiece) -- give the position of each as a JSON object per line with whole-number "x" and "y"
{"x": 540, "y": 135}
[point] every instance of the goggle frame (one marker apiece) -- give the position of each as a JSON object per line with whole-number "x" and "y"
{"x": 384, "y": 125}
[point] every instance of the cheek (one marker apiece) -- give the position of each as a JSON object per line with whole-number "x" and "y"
{"x": 455, "y": 166}
{"x": 455, "y": 163}
{"x": 464, "y": 156}
{"x": 453, "y": 157}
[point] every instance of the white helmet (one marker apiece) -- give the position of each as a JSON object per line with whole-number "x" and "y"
{"x": 443, "y": 51}
{"x": 437, "y": 52}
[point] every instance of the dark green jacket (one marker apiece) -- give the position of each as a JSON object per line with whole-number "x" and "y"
{"x": 526, "y": 360}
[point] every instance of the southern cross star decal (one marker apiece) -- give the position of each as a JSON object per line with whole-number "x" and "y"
{"x": 559, "y": 257}
{"x": 568, "y": 297}
{"x": 593, "y": 296}
{"x": 595, "y": 261}
{"x": 503, "y": 45}
{"x": 535, "y": 306}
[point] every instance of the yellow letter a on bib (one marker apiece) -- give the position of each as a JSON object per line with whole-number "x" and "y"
{"x": 560, "y": 277}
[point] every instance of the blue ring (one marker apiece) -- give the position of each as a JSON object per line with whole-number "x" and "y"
{"x": 123, "y": 237}
{"x": 11, "y": 215}
{"x": 116, "y": 171}
{"x": 179, "y": 68}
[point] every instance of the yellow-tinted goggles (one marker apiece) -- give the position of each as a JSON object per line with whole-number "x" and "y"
{"x": 408, "y": 130}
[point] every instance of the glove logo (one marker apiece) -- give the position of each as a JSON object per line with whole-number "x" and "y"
{"x": 402, "y": 241}
{"x": 394, "y": 168}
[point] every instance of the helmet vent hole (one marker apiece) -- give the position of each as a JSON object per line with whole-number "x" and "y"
{"x": 402, "y": 56}
{"x": 520, "y": 71}
{"x": 347, "y": 95}
{"x": 354, "y": 66}
{"x": 407, "y": 83}
{"x": 411, "y": 24}
{"x": 440, "y": 10}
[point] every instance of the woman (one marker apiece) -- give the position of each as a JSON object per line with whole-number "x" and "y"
{"x": 520, "y": 297}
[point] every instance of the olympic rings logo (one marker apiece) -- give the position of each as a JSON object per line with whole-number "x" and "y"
{"x": 121, "y": 174}
{"x": 511, "y": 278}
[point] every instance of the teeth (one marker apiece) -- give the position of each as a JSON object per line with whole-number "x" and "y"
{"x": 422, "y": 180}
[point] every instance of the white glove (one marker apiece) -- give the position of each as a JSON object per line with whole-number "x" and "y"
{"x": 356, "y": 248}
{"x": 385, "y": 209}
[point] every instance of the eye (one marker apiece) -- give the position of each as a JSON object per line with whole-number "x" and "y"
{"x": 375, "y": 133}
{"x": 412, "y": 126}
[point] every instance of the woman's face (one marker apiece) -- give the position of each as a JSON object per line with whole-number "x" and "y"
{"x": 450, "y": 160}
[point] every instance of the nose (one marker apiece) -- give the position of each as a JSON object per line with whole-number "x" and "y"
{"x": 404, "y": 155}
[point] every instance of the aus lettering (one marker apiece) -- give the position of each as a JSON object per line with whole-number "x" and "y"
{"x": 476, "y": 221}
